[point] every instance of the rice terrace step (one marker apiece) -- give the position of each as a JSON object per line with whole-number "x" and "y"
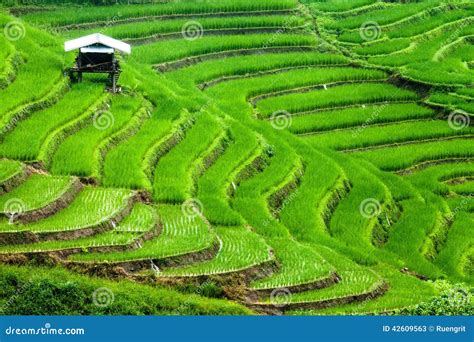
{"x": 270, "y": 157}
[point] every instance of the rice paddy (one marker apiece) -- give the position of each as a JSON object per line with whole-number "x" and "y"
{"x": 304, "y": 157}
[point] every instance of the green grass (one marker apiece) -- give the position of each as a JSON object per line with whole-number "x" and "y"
{"x": 92, "y": 207}
{"x": 36, "y": 192}
{"x": 180, "y": 235}
{"x": 55, "y": 291}
{"x": 241, "y": 249}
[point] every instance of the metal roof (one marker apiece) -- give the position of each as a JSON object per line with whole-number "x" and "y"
{"x": 96, "y": 49}
{"x": 97, "y": 38}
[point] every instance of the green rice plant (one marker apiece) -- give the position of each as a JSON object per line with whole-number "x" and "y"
{"x": 337, "y": 5}
{"x": 343, "y": 95}
{"x": 434, "y": 21}
{"x": 173, "y": 180}
{"x": 299, "y": 264}
{"x": 396, "y": 133}
{"x": 9, "y": 168}
{"x": 450, "y": 72}
{"x": 18, "y": 144}
{"x": 33, "y": 82}
{"x": 36, "y": 192}
{"x": 466, "y": 188}
{"x": 108, "y": 239}
{"x": 70, "y": 15}
{"x": 362, "y": 210}
{"x": 358, "y": 118}
{"x": 423, "y": 51}
{"x": 251, "y": 195}
{"x": 9, "y": 62}
{"x": 78, "y": 153}
{"x": 6, "y": 49}
{"x": 405, "y": 291}
{"x": 422, "y": 60}
{"x": 382, "y": 47}
{"x": 354, "y": 280}
{"x": 232, "y": 67}
{"x": 306, "y": 211}
{"x": 142, "y": 219}
{"x": 415, "y": 25}
{"x": 384, "y": 16}
{"x": 408, "y": 234}
{"x": 397, "y": 158}
{"x": 452, "y": 102}
{"x": 146, "y": 29}
{"x": 459, "y": 203}
{"x": 454, "y": 257}
{"x": 400, "y": 188}
{"x": 170, "y": 50}
{"x": 213, "y": 185}
{"x": 123, "y": 165}
{"x": 469, "y": 92}
{"x": 434, "y": 178}
{"x": 181, "y": 234}
{"x": 296, "y": 79}
{"x": 92, "y": 207}
{"x": 241, "y": 249}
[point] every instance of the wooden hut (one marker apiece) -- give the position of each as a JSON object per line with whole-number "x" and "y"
{"x": 97, "y": 55}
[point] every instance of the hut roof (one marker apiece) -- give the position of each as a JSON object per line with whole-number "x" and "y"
{"x": 97, "y": 38}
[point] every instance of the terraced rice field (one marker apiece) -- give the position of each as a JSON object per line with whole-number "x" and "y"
{"x": 303, "y": 157}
